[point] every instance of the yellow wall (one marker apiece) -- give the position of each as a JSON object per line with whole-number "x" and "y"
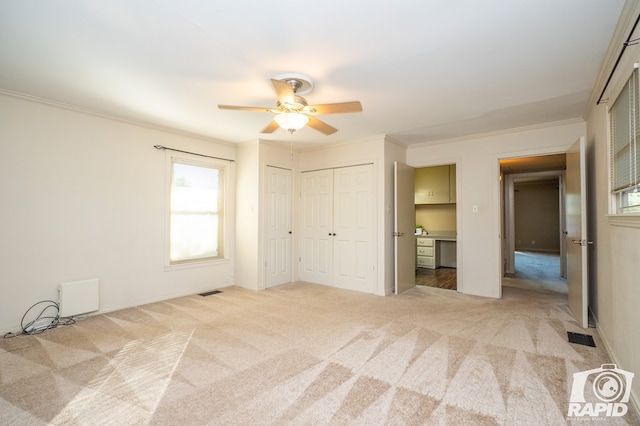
{"x": 436, "y": 217}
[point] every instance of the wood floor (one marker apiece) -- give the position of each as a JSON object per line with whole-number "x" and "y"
{"x": 440, "y": 278}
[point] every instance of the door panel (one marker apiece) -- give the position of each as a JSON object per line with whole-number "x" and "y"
{"x": 576, "y": 208}
{"x": 316, "y": 226}
{"x": 278, "y": 239}
{"x": 405, "y": 225}
{"x": 354, "y": 219}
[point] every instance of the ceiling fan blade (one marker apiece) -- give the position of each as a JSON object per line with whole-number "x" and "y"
{"x": 321, "y": 126}
{"x": 246, "y": 108}
{"x": 271, "y": 127}
{"x": 284, "y": 91}
{"x": 337, "y": 108}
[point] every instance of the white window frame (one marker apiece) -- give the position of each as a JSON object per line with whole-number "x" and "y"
{"x": 621, "y": 195}
{"x": 224, "y": 197}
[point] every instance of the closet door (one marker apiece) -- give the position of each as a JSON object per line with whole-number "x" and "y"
{"x": 354, "y": 217}
{"x": 316, "y": 228}
{"x": 337, "y": 228}
{"x": 278, "y": 227}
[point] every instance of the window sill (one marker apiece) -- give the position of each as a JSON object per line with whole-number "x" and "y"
{"x": 196, "y": 264}
{"x": 631, "y": 220}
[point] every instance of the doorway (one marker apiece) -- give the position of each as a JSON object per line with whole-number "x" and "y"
{"x": 436, "y": 226}
{"x": 534, "y": 226}
{"x": 415, "y": 246}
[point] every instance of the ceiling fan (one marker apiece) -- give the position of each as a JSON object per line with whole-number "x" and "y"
{"x": 293, "y": 112}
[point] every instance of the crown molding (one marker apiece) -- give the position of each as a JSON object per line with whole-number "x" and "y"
{"x": 395, "y": 141}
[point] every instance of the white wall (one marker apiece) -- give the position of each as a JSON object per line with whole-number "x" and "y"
{"x": 248, "y": 215}
{"x": 615, "y": 255}
{"x": 83, "y": 196}
{"x": 477, "y": 158}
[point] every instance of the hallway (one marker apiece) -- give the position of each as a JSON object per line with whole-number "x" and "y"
{"x": 537, "y": 271}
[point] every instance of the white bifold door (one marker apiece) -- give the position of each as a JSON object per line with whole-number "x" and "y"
{"x": 337, "y": 243}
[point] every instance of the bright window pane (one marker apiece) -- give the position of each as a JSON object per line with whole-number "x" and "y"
{"x": 631, "y": 201}
{"x": 193, "y": 236}
{"x": 195, "y": 219}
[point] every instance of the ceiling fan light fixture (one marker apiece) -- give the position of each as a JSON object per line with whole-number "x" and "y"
{"x": 291, "y": 121}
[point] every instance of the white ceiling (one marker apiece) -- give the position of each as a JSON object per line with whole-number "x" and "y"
{"x": 424, "y": 70}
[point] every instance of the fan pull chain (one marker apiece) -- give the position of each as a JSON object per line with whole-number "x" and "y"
{"x": 291, "y": 148}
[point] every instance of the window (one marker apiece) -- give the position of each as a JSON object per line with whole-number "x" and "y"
{"x": 196, "y": 211}
{"x": 624, "y": 127}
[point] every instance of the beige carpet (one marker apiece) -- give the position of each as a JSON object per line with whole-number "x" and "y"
{"x": 303, "y": 354}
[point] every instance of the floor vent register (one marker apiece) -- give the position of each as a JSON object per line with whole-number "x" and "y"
{"x": 209, "y": 293}
{"x": 581, "y": 339}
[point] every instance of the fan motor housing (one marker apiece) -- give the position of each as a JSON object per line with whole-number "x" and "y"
{"x": 299, "y": 105}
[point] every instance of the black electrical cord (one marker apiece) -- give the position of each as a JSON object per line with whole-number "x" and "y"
{"x": 31, "y": 328}
{"x": 40, "y": 324}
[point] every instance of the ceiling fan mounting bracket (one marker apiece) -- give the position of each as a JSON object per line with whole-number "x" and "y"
{"x": 301, "y": 84}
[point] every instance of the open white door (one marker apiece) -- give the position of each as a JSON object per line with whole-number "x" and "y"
{"x": 404, "y": 227}
{"x": 576, "y": 208}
